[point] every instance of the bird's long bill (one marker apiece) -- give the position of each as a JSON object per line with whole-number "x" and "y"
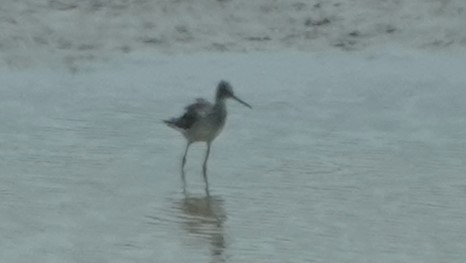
{"x": 242, "y": 102}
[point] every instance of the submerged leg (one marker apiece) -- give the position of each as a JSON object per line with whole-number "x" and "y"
{"x": 204, "y": 168}
{"x": 183, "y": 162}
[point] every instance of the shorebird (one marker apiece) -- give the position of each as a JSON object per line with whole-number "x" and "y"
{"x": 203, "y": 122}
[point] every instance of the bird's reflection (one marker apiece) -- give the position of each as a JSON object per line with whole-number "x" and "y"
{"x": 203, "y": 217}
{"x": 183, "y": 180}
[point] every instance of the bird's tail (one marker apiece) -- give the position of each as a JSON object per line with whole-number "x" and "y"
{"x": 171, "y": 123}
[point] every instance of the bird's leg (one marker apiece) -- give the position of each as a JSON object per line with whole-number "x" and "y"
{"x": 183, "y": 162}
{"x": 204, "y": 168}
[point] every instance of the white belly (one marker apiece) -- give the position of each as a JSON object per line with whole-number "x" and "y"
{"x": 204, "y": 131}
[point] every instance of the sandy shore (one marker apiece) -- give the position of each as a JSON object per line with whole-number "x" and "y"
{"x": 53, "y": 32}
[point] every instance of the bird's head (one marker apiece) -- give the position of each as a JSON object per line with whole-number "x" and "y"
{"x": 225, "y": 91}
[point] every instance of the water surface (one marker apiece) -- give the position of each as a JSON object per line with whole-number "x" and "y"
{"x": 344, "y": 158}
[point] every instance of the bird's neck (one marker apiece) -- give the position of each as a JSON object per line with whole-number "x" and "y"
{"x": 220, "y": 101}
{"x": 219, "y": 96}
{"x": 220, "y": 105}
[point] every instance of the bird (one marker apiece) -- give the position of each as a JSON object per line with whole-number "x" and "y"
{"x": 203, "y": 121}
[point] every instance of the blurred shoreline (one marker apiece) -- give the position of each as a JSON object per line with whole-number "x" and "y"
{"x": 68, "y": 32}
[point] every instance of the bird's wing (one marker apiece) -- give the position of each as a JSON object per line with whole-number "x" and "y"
{"x": 193, "y": 113}
{"x": 200, "y": 108}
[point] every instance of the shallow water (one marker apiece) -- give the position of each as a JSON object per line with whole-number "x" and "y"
{"x": 362, "y": 162}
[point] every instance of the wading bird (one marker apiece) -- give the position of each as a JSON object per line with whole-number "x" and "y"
{"x": 203, "y": 122}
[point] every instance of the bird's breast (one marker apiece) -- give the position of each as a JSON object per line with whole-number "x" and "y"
{"x": 206, "y": 129}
